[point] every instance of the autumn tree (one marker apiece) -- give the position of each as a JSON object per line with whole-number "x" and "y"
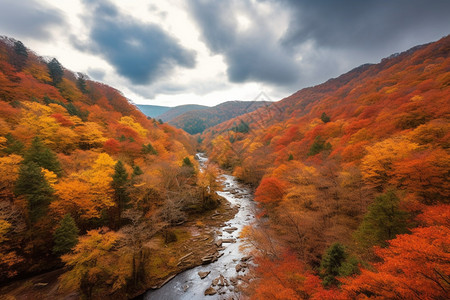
{"x": 383, "y": 221}
{"x": 208, "y": 183}
{"x": 283, "y": 278}
{"x": 376, "y": 166}
{"x": 413, "y": 266}
{"x": 96, "y": 265}
{"x": 270, "y": 190}
{"x": 65, "y": 236}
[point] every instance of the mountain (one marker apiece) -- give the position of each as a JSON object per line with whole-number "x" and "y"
{"x": 86, "y": 180}
{"x": 196, "y": 121}
{"x": 152, "y": 111}
{"x": 351, "y": 178}
{"x": 179, "y": 110}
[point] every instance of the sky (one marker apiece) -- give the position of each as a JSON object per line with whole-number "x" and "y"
{"x": 176, "y": 52}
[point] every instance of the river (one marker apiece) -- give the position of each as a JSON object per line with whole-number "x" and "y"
{"x": 188, "y": 285}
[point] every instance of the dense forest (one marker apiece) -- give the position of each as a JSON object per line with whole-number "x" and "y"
{"x": 352, "y": 178}
{"x": 196, "y": 121}
{"x": 86, "y": 179}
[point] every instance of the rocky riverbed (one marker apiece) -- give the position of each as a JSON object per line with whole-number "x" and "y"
{"x": 221, "y": 272}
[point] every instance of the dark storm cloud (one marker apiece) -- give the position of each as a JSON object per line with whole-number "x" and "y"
{"x": 330, "y": 36}
{"x": 140, "y": 52}
{"x": 369, "y": 25}
{"x": 28, "y": 19}
{"x": 252, "y": 54}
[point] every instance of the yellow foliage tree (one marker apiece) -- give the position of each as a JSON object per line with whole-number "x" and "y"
{"x": 129, "y": 121}
{"x": 377, "y": 163}
{"x": 97, "y": 267}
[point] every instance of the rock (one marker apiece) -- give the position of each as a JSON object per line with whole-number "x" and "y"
{"x": 187, "y": 255}
{"x": 234, "y": 280}
{"x": 215, "y": 281}
{"x": 207, "y": 259}
{"x": 210, "y": 291}
{"x": 228, "y": 240}
{"x": 230, "y": 229}
{"x": 203, "y": 274}
{"x": 246, "y": 258}
{"x": 238, "y": 268}
{"x": 41, "y": 284}
{"x": 241, "y": 267}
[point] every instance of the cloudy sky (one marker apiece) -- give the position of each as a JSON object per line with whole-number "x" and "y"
{"x": 176, "y": 52}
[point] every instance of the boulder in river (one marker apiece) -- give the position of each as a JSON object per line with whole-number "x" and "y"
{"x": 210, "y": 291}
{"x": 230, "y": 229}
{"x": 228, "y": 241}
{"x": 203, "y": 274}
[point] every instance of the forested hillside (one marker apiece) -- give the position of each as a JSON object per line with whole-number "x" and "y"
{"x": 196, "y": 121}
{"x": 179, "y": 110}
{"x": 86, "y": 179}
{"x": 353, "y": 180}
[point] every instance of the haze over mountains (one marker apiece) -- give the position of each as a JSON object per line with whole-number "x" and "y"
{"x": 195, "y": 118}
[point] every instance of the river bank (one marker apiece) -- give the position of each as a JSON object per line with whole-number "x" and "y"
{"x": 206, "y": 243}
{"x": 220, "y": 278}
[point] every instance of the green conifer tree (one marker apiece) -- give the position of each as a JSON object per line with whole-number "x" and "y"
{"x": 32, "y": 185}
{"x": 65, "y": 236}
{"x": 383, "y": 221}
{"x": 42, "y": 156}
{"x": 121, "y": 197}
{"x": 56, "y": 71}
{"x": 331, "y": 263}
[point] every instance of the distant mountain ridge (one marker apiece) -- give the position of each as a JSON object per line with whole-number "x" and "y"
{"x": 196, "y": 121}
{"x": 174, "y": 112}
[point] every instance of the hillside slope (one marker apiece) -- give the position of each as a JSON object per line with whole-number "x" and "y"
{"x": 358, "y": 162}
{"x": 196, "y": 121}
{"x": 86, "y": 180}
{"x": 179, "y": 110}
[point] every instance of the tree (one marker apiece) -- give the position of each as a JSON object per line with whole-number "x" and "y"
{"x": 383, "y": 221}
{"x": 12, "y": 145}
{"x": 187, "y": 162}
{"x": 331, "y": 263}
{"x": 284, "y": 278}
{"x": 376, "y": 166}
{"x": 21, "y": 55}
{"x": 81, "y": 82}
{"x": 96, "y": 264}
{"x": 65, "y": 236}
{"x": 325, "y": 118}
{"x": 39, "y": 154}
{"x": 56, "y": 71}
{"x": 414, "y": 266}
{"x": 270, "y": 190}
{"x": 33, "y": 186}
{"x": 318, "y": 146}
{"x": 148, "y": 149}
{"x": 121, "y": 197}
